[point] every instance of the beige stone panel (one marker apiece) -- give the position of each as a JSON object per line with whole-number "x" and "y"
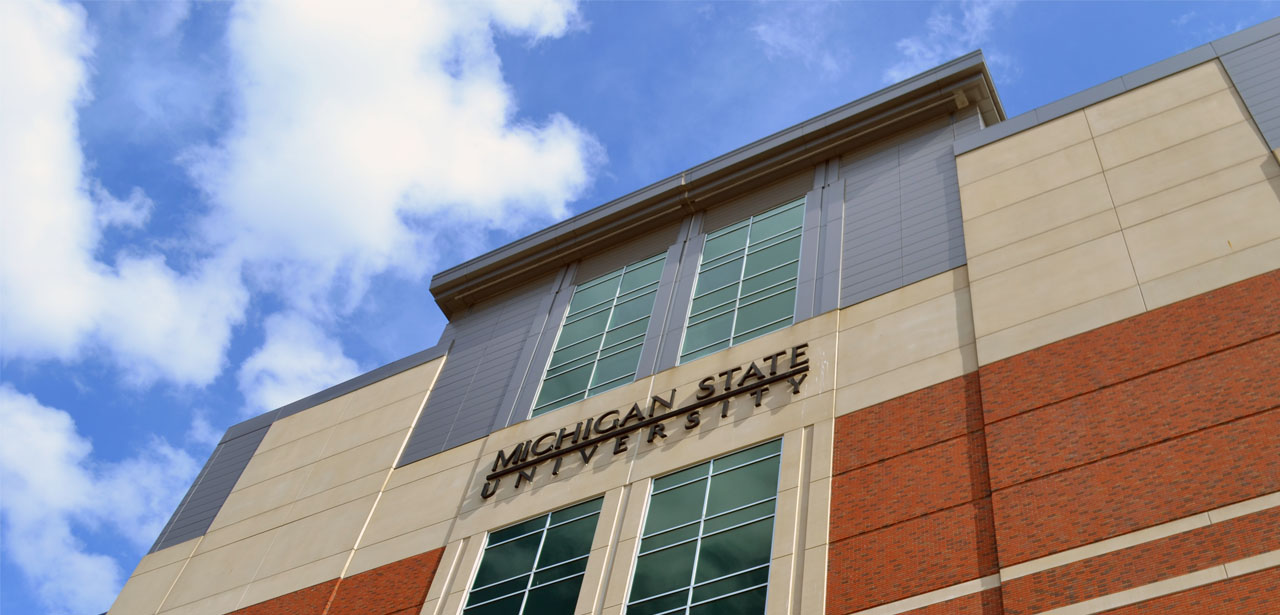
{"x": 1157, "y": 97}
{"x": 370, "y": 426}
{"x": 918, "y": 375}
{"x": 372, "y": 555}
{"x": 1191, "y": 159}
{"x": 258, "y": 498}
{"x": 823, "y": 449}
{"x": 453, "y": 604}
{"x": 817, "y": 332}
{"x": 411, "y": 382}
{"x": 813, "y": 584}
{"x": 610, "y": 512}
{"x": 316, "y": 537}
{"x": 905, "y": 337}
{"x": 445, "y": 573}
{"x": 779, "y": 596}
{"x": 1027, "y": 180}
{"x": 793, "y": 461}
{"x": 418, "y": 504}
{"x": 637, "y": 505}
{"x": 235, "y": 532}
{"x": 912, "y": 294}
{"x": 817, "y": 523}
{"x": 302, "y": 424}
{"x": 612, "y": 610}
{"x": 1216, "y": 273}
{"x": 1036, "y": 215}
{"x": 284, "y": 458}
{"x": 1052, "y": 283}
{"x": 592, "y": 580}
{"x": 1254, "y": 170}
{"x": 363, "y": 460}
{"x": 745, "y": 427}
{"x": 166, "y": 556}
{"x": 217, "y": 604}
{"x": 568, "y": 416}
{"x": 289, "y": 581}
{"x": 786, "y": 523}
{"x": 459, "y": 455}
{"x": 619, "y": 582}
{"x": 214, "y": 572}
{"x": 1059, "y": 325}
{"x": 512, "y": 505}
{"x": 346, "y": 492}
{"x": 144, "y": 592}
{"x": 1027, "y": 145}
{"x": 1068, "y": 235}
{"x": 1177, "y": 125}
{"x": 467, "y": 566}
{"x": 1207, "y": 231}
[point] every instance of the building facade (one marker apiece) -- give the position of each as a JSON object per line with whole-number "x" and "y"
{"x": 909, "y": 356}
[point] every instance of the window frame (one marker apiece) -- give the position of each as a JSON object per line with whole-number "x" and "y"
{"x": 756, "y": 296}
{"x": 530, "y": 586}
{"x": 699, "y": 537}
{"x": 602, "y": 352}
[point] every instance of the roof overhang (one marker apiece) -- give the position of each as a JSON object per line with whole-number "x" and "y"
{"x": 942, "y": 90}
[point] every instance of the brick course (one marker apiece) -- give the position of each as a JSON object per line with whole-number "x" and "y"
{"x": 1173, "y": 334}
{"x": 1198, "y": 472}
{"x": 1166, "y": 404}
{"x": 1143, "y": 564}
{"x": 398, "y": 588}
{"x": 986, "y": 602}
{"x": 1254, "y": 594}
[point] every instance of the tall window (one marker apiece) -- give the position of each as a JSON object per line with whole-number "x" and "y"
{"x": 747, "y": 281}
{"x": 535, "y": 567}
{"x": 707, "y": 539}
{"x": 599, "y": 344}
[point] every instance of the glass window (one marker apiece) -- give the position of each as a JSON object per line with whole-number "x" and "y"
{"x": 747, "y": 281}
{"x": 706, "y": 542}
{"x": 535, "y": 566}
{"x": 599, "y": 344}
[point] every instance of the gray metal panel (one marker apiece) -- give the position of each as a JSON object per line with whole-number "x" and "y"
{"x": 1263, "y": 36}
{"x": 212, "y": 486}
{"x": 902, "y": 214}
{"x": 682, "y": 294}
{"x": 541, "y": 342}
{"x": 810, "y": 244}
{"x": 833, "y": 236}
{"x": 662, "y": 302}
{"x": 1255, "y": 70}
{"x": 489, "y": 342}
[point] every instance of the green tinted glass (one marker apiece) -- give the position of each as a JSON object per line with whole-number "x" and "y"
{"x": 746, "y": 281}
{"x": 551, "y": 547}
{"x": 599, "y": 343}
{"x": 695, "y": 555}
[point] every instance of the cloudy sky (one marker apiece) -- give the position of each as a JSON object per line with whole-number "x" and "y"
{"x": 211, "y": 210}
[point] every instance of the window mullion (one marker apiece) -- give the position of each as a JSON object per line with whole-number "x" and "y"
{"x": 537, "y": 559}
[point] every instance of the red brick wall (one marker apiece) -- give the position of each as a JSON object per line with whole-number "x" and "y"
{"x": 1144, "y": 564}
{"x": 986, "y": 602}
{"x": 910, "y": 509}
{"x": 398, "y": 588}
{"x": 308, "y": 601}
{"x": 1257, "y": 593}
{"x": 1158, "y": 417}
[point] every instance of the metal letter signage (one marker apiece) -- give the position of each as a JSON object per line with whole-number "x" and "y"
{"x": 786, "y": 369}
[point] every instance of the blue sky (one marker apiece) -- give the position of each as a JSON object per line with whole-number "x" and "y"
{"x": 210, "y": 210}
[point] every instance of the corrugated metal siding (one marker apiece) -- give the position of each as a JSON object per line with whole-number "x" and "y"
{"x": 902, "y": 213}
{"x": 212, "y": 486}
{"x": 487, "y": 345}
{"x": 1255, "y": 70}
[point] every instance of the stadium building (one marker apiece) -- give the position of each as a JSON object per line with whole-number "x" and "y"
{"x": 907, "y": 357}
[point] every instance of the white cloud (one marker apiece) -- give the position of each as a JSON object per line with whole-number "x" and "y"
{"x": 802, "y": 32}
{"x": 364, "y": 135}
{"x": 296, "y": 360}
{"x": 950, "y": 35}
{"x": 366, "y": 140}
{"x": 53, "y": 488}
{"x": 56, "y": 299}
